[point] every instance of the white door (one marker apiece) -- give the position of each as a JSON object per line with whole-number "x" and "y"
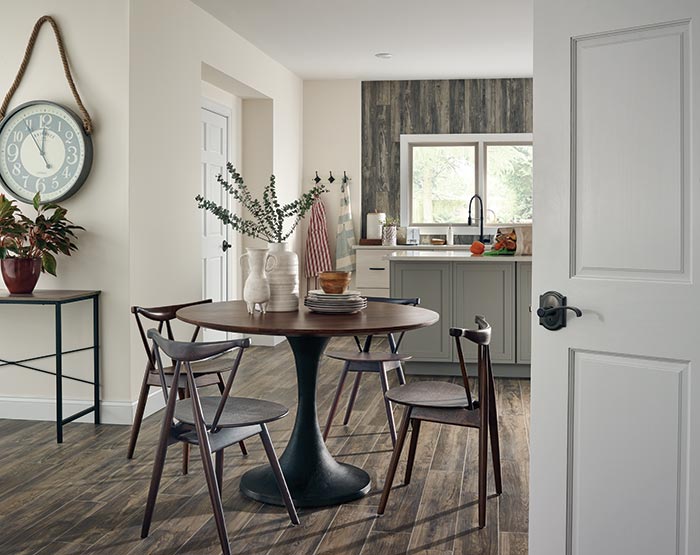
{"x": 215, "y": 238}
{"x": 615, "y": 442}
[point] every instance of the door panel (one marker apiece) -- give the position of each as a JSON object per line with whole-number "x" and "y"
{"x": 487, "y": 289}
{"x": 433, "y": 284}
{"x": 615, "y": 466}
{"x": 648, "y": 472}
{"x": 638, "y": 115}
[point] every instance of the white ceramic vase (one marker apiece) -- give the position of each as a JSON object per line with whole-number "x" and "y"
{"x": 284, "y": 279}
{"x": 256, "y": 291}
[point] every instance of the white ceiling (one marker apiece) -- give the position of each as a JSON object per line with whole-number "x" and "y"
{"x": 429, "y": 39}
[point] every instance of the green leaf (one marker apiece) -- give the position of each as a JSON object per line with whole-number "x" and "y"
{"x": 48, "y": 263}
{"x": 36, "y": 200}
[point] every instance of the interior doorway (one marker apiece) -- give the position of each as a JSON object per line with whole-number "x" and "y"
{"x": 216, "y": 244}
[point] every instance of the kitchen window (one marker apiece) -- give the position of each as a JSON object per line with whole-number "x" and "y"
{"x": 440, "y": 173}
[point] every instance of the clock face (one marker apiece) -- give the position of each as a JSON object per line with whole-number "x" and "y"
{"x": 44, "y": 149}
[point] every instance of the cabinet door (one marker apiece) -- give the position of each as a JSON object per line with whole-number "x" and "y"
{"x": 523, "y": 295}
{"x": 432, "y": 282}
{"x": 487, "y": 289}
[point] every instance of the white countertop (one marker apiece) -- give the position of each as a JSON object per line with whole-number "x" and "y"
{"x": 413, "y": 247}
{"x": 450, "y": 256}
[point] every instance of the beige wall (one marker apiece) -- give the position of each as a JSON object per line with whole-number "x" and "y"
{"x": 96, "y": 37}
{"x": 138, "y": 65}
{"x": 169, "y": 42}
{"x": 332, "y": 142}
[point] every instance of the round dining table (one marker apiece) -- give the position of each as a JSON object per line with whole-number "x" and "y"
{"x": 314, "y": 477}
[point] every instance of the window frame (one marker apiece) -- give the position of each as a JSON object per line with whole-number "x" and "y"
{"x": 481, "y": 141}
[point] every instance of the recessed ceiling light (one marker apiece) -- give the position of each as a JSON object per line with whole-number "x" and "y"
{"x": 383, "y": 55}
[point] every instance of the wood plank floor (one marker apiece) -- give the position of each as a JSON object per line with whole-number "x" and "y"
{"x": 85, "y": 497}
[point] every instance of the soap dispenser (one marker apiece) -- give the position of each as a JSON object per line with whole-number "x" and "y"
{"x": 450, "y": 236}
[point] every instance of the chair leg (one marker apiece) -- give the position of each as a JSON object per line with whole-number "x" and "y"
{"x": 415, "y": 430}
{"x": 395, "y": 456}
{"x": 353, "y": 395}
{"x": 400, "y": 374}
{"x": 493, "y": 433}
{"x": 222, "y": 387}
{"x": 138, "y": 417}
{"x": 483, "y": 452}
{"x": 182, "y": 394}
{"x": 159, "y": 462}
{"x": 387, "y": 404}
{"x": 336, "y": 400}
{"x": 220, "y": 471}
{"x": 277, "y": 470}
{"x": 209, "y": 471}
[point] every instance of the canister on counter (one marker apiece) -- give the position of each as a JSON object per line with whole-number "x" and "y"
{"x": 375, "y": 222}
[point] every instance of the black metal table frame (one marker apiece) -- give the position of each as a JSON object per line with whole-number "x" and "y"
{"x": 60, "y": 420}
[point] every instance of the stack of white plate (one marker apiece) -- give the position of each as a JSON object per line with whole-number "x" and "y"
{"x": 329, "y": 303}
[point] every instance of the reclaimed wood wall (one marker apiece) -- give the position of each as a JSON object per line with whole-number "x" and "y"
{"x": 392, "y": 108}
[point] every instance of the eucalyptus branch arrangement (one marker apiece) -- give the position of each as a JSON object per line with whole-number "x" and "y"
{"x": 50, "y": 233}
{"x": 267, "y": 216}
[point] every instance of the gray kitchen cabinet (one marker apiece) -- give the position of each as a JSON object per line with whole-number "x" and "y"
{"x": 487, "y": 289}
{"x": 433, "y": 284}
{"x": 523, "y": 294}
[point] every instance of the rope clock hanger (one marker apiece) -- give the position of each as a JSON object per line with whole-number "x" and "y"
{"x": 45, "y": 147}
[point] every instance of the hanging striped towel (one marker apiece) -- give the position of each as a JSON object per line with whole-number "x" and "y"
{"x": 318, "y": 255}
{"x": 345, "y": 239}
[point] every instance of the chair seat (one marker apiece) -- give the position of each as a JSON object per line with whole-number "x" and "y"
{"x": 238, "y": 411}
{"x": 372, "y": 356}
{"x": 217, "y": 441}
{"x": 429, "y": 394}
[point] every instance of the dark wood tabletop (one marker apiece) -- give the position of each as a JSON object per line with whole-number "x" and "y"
{"x": 376, "y": 318}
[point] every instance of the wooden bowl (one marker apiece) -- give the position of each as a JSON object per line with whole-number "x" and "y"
{"x": 335, "y": 282}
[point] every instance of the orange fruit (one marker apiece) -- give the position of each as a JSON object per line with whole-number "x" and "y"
{"x": 477, "y": 247}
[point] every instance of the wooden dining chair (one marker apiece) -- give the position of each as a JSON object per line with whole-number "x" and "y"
{"x": 363, "y": 360}
{"x": 212, "y": 423}
{"x": 448, "y": 403}
{"x": 164, "y": 315}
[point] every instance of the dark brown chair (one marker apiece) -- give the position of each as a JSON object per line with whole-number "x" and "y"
{"x": 164, "y": 315}
{"x": 212, "y": 423}
{"x": 362, "y": 361}
{"x": 448, "y": 403}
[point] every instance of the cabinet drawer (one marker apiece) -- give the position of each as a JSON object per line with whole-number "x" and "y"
{"x": 372, "y": 269}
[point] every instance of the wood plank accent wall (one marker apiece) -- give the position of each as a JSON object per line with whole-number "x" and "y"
{"x": 392, "y": 108}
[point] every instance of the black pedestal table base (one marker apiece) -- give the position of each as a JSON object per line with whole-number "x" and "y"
{"x": 314, "y": 477}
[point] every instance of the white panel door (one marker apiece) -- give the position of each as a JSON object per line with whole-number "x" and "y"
{"x": 215, "y": 238}
{"x": 615, "y": 462}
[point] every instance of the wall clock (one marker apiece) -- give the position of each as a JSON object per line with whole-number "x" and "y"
{"x": 43, "y": 149}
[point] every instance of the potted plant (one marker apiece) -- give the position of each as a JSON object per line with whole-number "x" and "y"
{"x": 28, "y": 247}
{"x": 270, "y": 221}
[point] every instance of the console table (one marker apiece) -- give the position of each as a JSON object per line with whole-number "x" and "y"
{"x": 58, "y": 298}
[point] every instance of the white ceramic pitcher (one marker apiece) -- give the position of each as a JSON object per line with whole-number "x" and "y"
{"x": 256, "y": 291}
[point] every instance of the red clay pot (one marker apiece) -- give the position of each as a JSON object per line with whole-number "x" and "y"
{"x": 20, "y": 274}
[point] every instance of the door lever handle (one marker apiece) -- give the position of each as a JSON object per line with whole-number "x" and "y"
{"x": 225, "y": 245}
{"x": 552, "y": 310}
{"x": 544, "y": 312}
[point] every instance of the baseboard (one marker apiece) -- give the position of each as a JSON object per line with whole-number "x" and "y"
{"x": 452, "y": 369}
{"x": 266, "y": 340}
{"x": 113, "y": 412}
